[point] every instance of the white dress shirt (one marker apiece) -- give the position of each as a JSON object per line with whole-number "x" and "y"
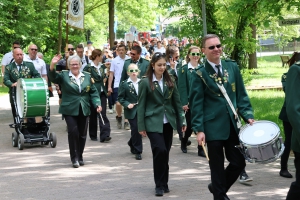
{"x": 77, "y": 79}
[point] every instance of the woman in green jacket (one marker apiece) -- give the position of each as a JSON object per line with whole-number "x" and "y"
{"x": 158, "y": 107}
{"x": 77, "y": 92}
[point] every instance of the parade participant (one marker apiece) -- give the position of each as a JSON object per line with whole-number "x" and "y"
{"x": 184, "y": 74}
{"x": 38, "y": 63}
{"x": 15, "y": 70}
{"x": 78, "y": 90}
{"x": 292, "y": 95}
{"x": 128, "y": 97}
{"x": 84, "y": 59}
{"x": 116, "y": 69}
{"x": 213, "y": 120}
{"x": 8, "y": 57}
{"x": 142, "y": 64}
{"x": 158, "y": 108}
{"x": 173, "y": 65}
{"x": 97, "y": 72}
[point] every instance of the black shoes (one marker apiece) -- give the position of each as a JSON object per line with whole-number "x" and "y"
{"x": 81, "y": 163}
{"x": 210, "y": 187}
{"x": 166, "y": 189}
{"x": 159, "y": 192}
{"x": 138, "y": 156}
{"x": 94, "y": 139}
{"x": 285, "y": 173}
{"x": 188, "y": 143}
{"x": 106, "y": 139}
{"x": 132, "y": 150}
{"x": 201, "y": 153}
{"x": 75, "y": 164}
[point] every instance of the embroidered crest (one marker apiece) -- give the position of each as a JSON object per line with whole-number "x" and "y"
{"x": 88, "y": 88}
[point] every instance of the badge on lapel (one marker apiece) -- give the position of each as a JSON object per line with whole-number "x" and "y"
{"x": 88, "y": 88}
{"x": 233, "y": 87}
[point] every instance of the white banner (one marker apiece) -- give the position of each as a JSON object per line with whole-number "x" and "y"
{"x": 76, "y": 13}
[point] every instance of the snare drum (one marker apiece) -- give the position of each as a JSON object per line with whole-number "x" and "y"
{"x": 261, "y": 142}
{"x": 32, "y": 97}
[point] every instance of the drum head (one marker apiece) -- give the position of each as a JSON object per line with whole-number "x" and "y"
{"x": 20, "y": 97}
{"x": 260, "y": 132}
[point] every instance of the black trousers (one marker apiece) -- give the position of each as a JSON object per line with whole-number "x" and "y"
{"x": 189, "y": 130}
{"x": 222, "y": 179}
{"x": 288, "y": 129}
{"x": 161, "y": 144}
{"x": 93, "y": 124}
{"x": 294, "y": 192}
{"x": 135, "y": 139}
{"x": 77, "y": 131}
{"x": 179, "y": 126}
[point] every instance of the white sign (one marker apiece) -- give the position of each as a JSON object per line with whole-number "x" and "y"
{"x": 76, "y": 13}
{"x": 288, "y": 22}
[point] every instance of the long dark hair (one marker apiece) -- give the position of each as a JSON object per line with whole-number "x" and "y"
{"x": 170, "y": 51}
{"x": 156, "y": 57}
{"x": 295, "y": 57}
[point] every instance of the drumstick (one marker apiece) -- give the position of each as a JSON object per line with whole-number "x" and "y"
{"x": 204, "y": 148}
{"x": 101, "y": 118}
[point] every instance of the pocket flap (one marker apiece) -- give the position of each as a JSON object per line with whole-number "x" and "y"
{"x": 208, "y": 117}
{"x": 65, "y": 103}
{"x": 148, "y": 113}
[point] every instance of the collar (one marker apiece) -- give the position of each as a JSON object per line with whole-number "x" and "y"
{"x": 129, "y": 80}
{"x": 213, "y": 64}
{"x": 137, "y": 60}
{"x": 154, "y": 78}
{"x": 190, "y": 66}
{"x": 17, "y": 64}
{"x": 72, "y": 75}
{"x": 93, "y": 64}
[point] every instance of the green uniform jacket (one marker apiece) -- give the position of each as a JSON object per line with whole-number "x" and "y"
{"x": 71, "y": 97}
{"x": 292, "y": 94}
{"x": 153, "y": 104}
{"x": 126, "y": 96}
{"x": 143, "y": 65}
{"x": 99, "y": 82}
{"x": 12, "y": 74}
{"x": 210, "y": 112}
{"x": 184, "y": 80}
{"x": 282, "y": 114}
{"x": 172, "y": 71}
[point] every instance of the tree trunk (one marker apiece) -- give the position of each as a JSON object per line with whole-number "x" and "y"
{"x": 111, "y": 19}
{"x": 59, "y": 41}
{"x": 252, "y": 56}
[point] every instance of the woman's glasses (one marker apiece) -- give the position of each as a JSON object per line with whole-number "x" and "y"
{"x": 195, "y": 54}
{"x": 133, "y": 70}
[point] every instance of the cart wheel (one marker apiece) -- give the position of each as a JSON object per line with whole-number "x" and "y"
{"x": 52, "y": 137}
{"x": 21, "y": 141}
{"x": 14, "y": 139}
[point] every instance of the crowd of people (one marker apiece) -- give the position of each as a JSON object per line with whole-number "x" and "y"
{"x": 159, "y": 92}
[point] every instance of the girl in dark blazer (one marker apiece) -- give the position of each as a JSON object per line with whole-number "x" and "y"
{"x": 159, "y": 106}
{"x": 78, "y": 90}
{"x": 98, "y": 74}
{"x": 128, "y": 97}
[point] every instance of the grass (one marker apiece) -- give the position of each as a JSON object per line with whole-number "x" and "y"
{"x": 3, "y": 88}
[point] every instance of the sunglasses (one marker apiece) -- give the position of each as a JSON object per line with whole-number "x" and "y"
{"x": 133, "y": 54}
{"x": 195, "y": 54}
{"x": 70, "y": 49}
{"x": 213, "y": 47}
{"x": 33, "y": 49}
{"x": 133, "y": 70}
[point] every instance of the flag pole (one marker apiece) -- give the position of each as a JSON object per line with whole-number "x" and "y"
{"x": 67, "y": 26}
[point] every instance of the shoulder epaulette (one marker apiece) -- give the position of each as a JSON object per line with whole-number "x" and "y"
{"x": 85, "y": 72}
{"x": 144, "y": 77}
{"x": 297, "y": 63}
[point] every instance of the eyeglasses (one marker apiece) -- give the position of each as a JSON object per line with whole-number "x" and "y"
{"x": 158, "y": 54}
{"x": 176, "y": 57}
{"x": 133, "y": 70}
{"x": 195, "y": 54}
{"x": 213, "y": 47}
{"x": 70, "y": 49}
{"x": 33, "y": 49}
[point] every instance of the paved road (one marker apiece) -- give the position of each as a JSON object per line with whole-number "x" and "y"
{"x": 111, "y": 172}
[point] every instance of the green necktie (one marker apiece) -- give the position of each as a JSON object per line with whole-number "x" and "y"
{"x": 220, "y": 75}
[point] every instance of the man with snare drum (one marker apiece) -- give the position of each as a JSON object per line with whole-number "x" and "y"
{"x": 214, "y": 117}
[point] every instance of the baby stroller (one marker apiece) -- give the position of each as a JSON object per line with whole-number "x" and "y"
{"x": 31, "y": 119}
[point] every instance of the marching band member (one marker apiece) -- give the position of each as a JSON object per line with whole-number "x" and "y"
{"x": 128, "y": 97}
{"x": 159, "y": 106}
